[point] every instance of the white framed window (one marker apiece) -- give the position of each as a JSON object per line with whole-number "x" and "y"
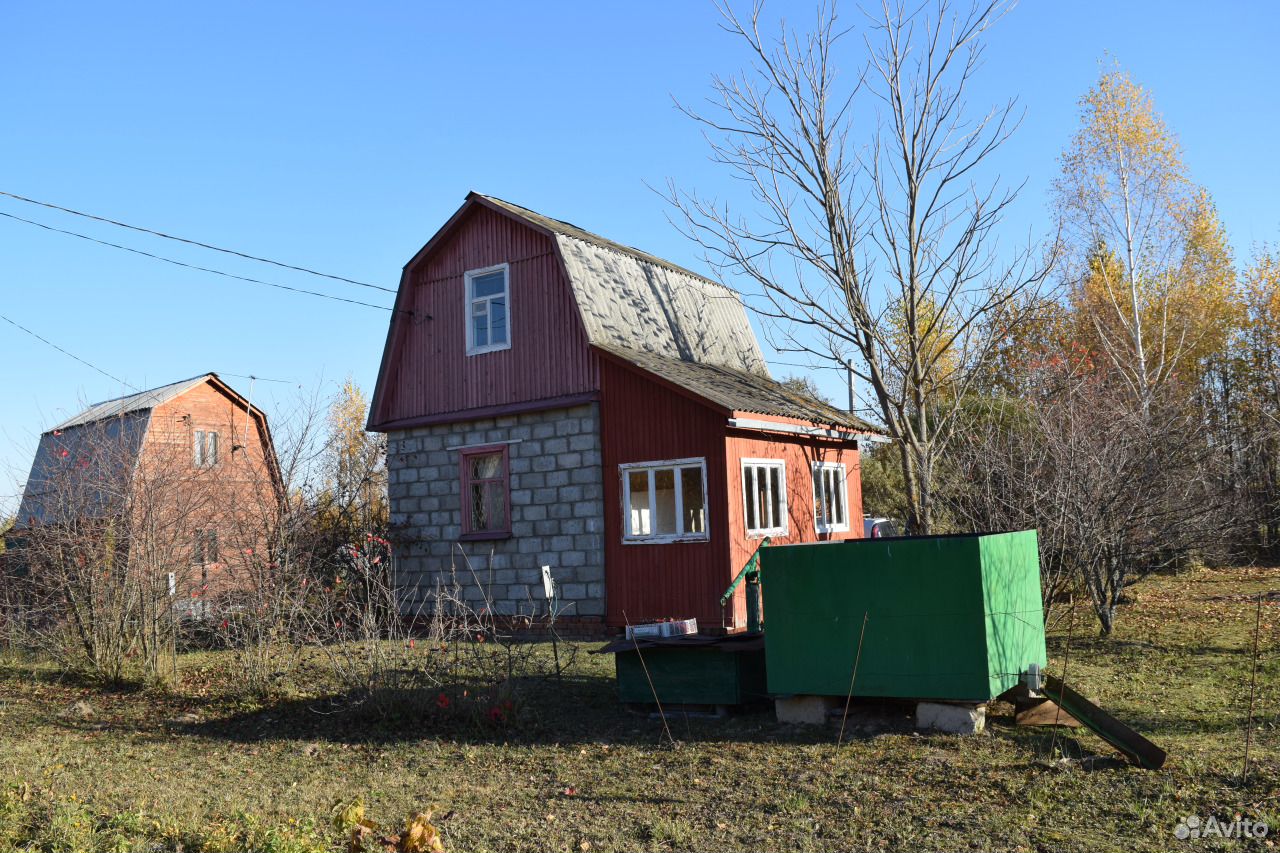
{"x": 830, "y": 497}
{"x": 764, "y": 496}
{"x": 664, "y": 501}
{"x": 488, "y": 309}
{"x": 205, "y": 449}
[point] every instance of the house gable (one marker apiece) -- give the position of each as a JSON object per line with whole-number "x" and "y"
{"x": 426, "y": 373}
{"x": 570, "y": 290}
{"x": 108, "y": 441}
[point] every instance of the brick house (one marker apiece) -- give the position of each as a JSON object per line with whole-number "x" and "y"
{"x": 194, "y": 457}
{"x": 554, "y": 398}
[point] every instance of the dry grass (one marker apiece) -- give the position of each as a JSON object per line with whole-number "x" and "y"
{"x": 575, "y": 769}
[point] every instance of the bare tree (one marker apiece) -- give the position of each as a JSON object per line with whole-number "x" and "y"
{"x": 1115, "y": 493}
{"x": 871, "y": 231}
{"x": 103, "y": 555}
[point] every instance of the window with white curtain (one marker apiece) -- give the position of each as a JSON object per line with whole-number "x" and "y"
{"x": 764, "y": 494}
{"x": 830, "y": 493}
{"x": 664, "y": 501}
{"x": 205, "y": 449}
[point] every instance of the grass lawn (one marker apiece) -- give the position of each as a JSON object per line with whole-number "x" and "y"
{"x": 577, "y": 772}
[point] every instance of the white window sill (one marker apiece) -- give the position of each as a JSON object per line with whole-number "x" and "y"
{"x": 483, "y": 350}
{"x": 760, "y": 534}
{"x": 831, "y": 528}
{"x": 665, "y": 540}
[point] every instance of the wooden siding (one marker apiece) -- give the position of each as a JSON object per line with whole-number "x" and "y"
{"x": 643, "y": 421}
{"x": 799, "y": 454}
{"x": 428, "y": 370}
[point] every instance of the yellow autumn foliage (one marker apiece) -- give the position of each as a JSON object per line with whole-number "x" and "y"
{"x": 1188, "y": 311}
{"x": 927, "y": 336}
{"x": 1156, "y": 291}
{"x": 1261, "y": 295}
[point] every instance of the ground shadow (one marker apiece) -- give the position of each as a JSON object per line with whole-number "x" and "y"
{"x": 576, "y": 710}
{"x": 72, "y": 678}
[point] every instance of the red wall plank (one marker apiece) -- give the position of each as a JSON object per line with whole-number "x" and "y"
{"x": 641, "y": 421}
{"x": 799, "y": 454}
{"x": 431, "y": 373}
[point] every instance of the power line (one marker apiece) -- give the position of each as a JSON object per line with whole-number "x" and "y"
{"x": 259, "y": 378}
{"x": 64, "y": 352}
{"x": 805, "y": 366}
{"x": 138, "y": 228}
{"x": 194, "y": 266}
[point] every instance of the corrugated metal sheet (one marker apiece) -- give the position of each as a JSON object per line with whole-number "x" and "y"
{"x": 133, "y": 402}
{"x": 633, "y": 299}
{"x": 568, "y": 229}
{"x": 738, "y": 390}
{"x": 642, "y": 421}
{"x": 432, "y": 374}
{"x": 82, "y": 470}
{"x": 629, "y": 301}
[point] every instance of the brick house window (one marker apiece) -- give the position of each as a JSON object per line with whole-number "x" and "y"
{"x": 764, "y": 493}
{"x": 486, "y": 492}
{"x": 205, "y": 449}
{"x": 664, "y": 501}
{"x": 488, "y": 309}
{"x": 830, "y": 489}
{"x": 206, "y": 548}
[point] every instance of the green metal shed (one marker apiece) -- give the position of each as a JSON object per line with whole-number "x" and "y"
{"x": 946, "y": 617}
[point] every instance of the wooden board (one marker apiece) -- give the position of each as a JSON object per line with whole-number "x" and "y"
{"x": 1135, "y": 747}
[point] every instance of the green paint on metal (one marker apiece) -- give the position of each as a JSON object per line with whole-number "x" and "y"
{"x": 749, "y": 571}
{"x": 948, "y": 617}
{"x": 1012, "y": 606}
{"x": 753, "y": 604}
{"x": 691, "y": 676}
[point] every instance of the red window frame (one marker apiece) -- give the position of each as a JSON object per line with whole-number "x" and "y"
{"x": 502, "y": 482}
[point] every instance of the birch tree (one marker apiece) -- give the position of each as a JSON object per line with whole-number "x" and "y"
{"x": 1154, "y": 282}
{"x": 873, "y": 210}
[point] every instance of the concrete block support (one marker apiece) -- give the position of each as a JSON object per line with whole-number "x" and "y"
{"x": 953, "y": 718}
{"x": 806, "y": 710}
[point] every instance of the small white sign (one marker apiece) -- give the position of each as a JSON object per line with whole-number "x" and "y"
{"x": 548, "y": 583}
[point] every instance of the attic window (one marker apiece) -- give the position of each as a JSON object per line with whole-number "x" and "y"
{"x": 206, "y": 548}
{"x": 205, "y": 449}
{"x": 488, "y": 318}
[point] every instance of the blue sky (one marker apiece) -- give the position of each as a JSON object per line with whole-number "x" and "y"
{"x": 340, "y": 136}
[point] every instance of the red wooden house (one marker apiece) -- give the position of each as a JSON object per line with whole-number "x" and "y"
{"x": 554, "y": 398}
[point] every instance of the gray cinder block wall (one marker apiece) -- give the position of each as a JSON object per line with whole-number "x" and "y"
{"x": 557, "y": 511}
